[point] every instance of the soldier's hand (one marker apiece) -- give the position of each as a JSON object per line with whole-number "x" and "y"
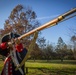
{"x": 17, "y": 41}
{"x": 10, "y": 45}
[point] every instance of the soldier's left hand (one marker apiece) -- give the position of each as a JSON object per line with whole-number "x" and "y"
{"x": 17, "y": 41}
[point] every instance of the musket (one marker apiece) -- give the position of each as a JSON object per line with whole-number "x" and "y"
{"x": 48, "y": 24}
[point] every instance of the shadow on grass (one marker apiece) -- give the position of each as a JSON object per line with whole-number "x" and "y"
{"x": 50, "y": 72}
{"x": 73, "y": 62}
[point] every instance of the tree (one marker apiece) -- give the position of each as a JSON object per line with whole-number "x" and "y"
{"x": 73, "y": 39}
{"x": 42, "y": 43}
{"x": 61, "y": 49}
{"x": 36, "y": 53}
{"x": 48, "y": 52}
{"x": 21, "y": 21}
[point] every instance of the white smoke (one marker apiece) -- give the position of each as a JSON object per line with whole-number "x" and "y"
{"x": 47, "y": 17}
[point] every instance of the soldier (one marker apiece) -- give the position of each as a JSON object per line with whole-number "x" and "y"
{"x": 12, "y": 48}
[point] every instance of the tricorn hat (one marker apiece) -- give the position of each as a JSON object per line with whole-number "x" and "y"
{"x": 9, "y": 36}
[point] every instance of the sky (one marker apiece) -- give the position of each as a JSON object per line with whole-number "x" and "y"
{"x": 46, "y": 10}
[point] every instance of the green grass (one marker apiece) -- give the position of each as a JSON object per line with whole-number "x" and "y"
{"x": 53, "y": 67}
{"x": 1, "y": 65}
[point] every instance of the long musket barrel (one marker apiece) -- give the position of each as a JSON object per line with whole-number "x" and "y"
{"x": 49, "y": 24}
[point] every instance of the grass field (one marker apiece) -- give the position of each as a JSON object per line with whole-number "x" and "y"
{"x": 54, "y": 67}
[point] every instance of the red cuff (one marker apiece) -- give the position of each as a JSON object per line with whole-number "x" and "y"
{"x": 3, "y": 45}
{"x": 19, "y": 47}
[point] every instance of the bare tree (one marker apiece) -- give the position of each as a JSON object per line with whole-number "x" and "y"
{"x": 73, "y": 39}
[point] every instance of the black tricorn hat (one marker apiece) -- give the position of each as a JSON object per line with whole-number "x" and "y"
{"x": 5, "y": 38}
{"x": 9, "y": 36}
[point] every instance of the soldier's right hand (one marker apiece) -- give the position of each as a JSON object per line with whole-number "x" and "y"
{"x": 10, "y": 45}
